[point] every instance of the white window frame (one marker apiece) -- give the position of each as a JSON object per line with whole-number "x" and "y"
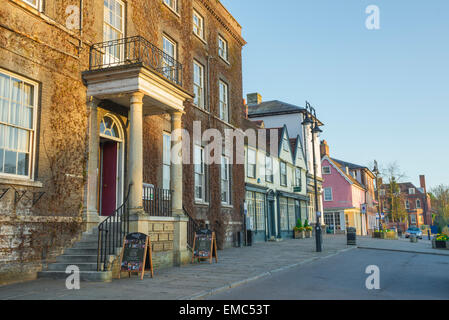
{"x": 251, "y": 166}
{"x": 411, "y": 191}
{"x": 37, "y": 6}
{"x": 382, "y": 192}
{"x": 407, "y": 204}
{"x": 281, "y": 165}
{"x": 298, "y": 177}
{"x": 32, "y": 132}
{"x": 325, "y": 196}
{"x": 223, "y": 98}
{"x": 108, "y": 58}
{"x": 173, "y": 7}
{"x": 225, "y": 179}
{"x": 166, "y": 160}
{"x": 167, "y": 64}
{"x": 199, "y": 164}
{"x": 200, "y": 28}
{"x": 223, "y": 51}
{"x": 198, "y": 86}
{"x": 324, "y": 171}
{"x": 269, "y": 169}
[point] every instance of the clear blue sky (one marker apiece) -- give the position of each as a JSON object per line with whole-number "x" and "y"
{"x": 382, "y": 94}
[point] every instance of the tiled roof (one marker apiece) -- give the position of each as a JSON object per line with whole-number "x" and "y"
{"x": 274, "y": 106}
{"x": 342, "y": 168}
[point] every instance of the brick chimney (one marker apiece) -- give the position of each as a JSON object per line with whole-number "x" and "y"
{"x": 422, "y": 182}
{"x": 324, "y": 149}
{"x": 254, "y": 98}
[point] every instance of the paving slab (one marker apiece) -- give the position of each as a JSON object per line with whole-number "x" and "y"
{"x": 236, "y": 266}
{"x": 423, "y": 246}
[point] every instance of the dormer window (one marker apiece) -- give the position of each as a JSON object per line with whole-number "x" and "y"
{"x": 411, "y": 191}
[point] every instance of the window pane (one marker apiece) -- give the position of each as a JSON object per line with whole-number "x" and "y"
{"x": 16, "y": 91}
{"x": 10, "y": 162}
{"x": 166, "y": 177}
{"x": 4, "y": 110}
{"x": 2, "y": 153}
{"x": 11, "y": 138}
{"x": 28, "y": 94}
{"x": 22, "y": 164}
{"x": 4, "y": 86}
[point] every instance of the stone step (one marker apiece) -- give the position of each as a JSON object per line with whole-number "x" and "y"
{"x": 102, "y": 276}
{"x": 76, "y": 258}
{"x": 86, "y": 245}
{"x": 80, "y": 251}
{"x": 83, "y": 266}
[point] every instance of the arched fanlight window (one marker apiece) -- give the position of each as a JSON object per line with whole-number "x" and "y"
{"x": 108, "y": 127}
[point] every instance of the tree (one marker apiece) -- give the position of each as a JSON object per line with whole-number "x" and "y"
{"x": 440, "y": 203}
{"x": 392, "y": 175}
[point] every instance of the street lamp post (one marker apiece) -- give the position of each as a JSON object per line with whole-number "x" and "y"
{"x": 376, "y": 173}
{"x": 315, "y": 130}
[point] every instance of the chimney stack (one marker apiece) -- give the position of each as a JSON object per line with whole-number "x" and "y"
{"x": 422, "y": 182}
{"x": 254, "y": 98}
{"x": 324, "y": 148}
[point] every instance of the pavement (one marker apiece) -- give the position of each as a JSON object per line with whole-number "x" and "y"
{"x": 423, "y": 246}
{"x": 236, "y": 267}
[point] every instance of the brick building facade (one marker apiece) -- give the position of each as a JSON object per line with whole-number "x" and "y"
{"x": 416, "y": 202}
{"x": 87, "y": 115}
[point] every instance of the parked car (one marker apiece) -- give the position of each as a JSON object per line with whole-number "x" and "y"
{"x": 413, "y": 230}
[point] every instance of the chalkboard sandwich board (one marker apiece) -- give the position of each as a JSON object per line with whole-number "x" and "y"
{"x": 204, "y": 246}
{"x": 136, "y": 254}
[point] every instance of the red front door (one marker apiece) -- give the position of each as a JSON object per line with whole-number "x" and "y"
{"x": 109, "y": 178}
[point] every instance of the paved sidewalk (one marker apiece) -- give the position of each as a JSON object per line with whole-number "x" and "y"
{"x": 235, "y": 266}
{"x": 401, "y": 245}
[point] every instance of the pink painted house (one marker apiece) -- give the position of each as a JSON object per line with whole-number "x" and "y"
{"x": 346, "y": 189}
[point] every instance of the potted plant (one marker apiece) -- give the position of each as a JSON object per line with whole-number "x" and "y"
{"x": 298, "y": 230}
{"x": 391, "y": 235}
{"x": 440, "y": 241}
{"x": 308, "y": 229}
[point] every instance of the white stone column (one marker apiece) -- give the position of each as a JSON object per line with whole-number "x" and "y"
{"x": 176, "y": 165}
{"x": 135, "y": 154}
{"x": 180, "y": 253}
{"x": 91, "y": 214}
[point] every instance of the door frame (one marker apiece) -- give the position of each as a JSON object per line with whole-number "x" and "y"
{"x": 120, "y": 176}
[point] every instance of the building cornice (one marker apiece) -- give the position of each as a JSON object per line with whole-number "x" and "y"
{"x": 222, "y": 21}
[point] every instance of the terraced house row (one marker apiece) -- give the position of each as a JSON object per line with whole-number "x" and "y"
{"x": 93, "y": 97}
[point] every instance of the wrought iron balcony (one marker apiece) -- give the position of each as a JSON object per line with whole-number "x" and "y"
{"x": 134, "y": 51}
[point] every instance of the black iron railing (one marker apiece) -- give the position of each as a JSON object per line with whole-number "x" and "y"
{"x": 157, "y": 202}
{"x": 192, "y": 226}
{"x": 135, "y": 50}
{"x": 111, "y": 233}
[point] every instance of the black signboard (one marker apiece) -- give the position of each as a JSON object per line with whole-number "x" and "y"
{"x": 136, "y": 254}
{"x": 204, "y": 245}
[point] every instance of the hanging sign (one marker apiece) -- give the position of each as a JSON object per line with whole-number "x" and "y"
{"x": 136, "y": 254}
{"x": 204, "y": 246}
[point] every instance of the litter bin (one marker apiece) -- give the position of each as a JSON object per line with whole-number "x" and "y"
{"x": 249, "y": 238}
{"x": 413, "y": 238}
{"x": 351, "y": 236}
{"x": 239, "y": 239}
